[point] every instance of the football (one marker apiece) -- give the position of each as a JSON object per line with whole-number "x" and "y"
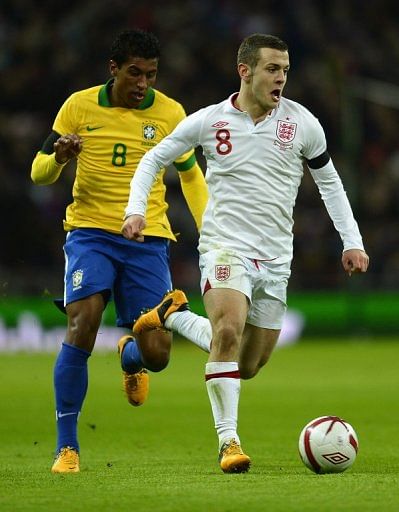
{"x": 328, "y": 444}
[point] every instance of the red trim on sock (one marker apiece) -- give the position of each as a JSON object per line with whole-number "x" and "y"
{"x": 222, "y": 375}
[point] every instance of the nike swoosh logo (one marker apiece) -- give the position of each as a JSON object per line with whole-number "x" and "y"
{"x": 62, "y": 414}
{"x": 92, "y": 128}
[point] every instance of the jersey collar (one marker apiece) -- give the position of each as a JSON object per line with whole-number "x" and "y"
{"x": 230, "y": 103}
{"x": 231, "y": 108}
{"x": 105, "y": 91}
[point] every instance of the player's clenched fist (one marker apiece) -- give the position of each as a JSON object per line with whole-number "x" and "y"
{"x": 67, "y": 147}
{"x": 355, "y": 260}
{"x": 132, "y": 228}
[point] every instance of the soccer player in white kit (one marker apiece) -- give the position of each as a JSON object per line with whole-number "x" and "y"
{"x": 255, "y": 143}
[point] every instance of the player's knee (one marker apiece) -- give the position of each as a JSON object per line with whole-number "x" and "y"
{"x": 82, "y": 325}
{"x": 155, "y": 351}
{"x": 226, "y": 337}
{"x": 82, "y": 331}
{"x": 84, "y": 316}
{"x": 157, "y": 363}
{"x": 248, "y": 371}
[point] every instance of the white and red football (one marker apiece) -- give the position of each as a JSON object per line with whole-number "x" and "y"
{"x": 328, "y": 444}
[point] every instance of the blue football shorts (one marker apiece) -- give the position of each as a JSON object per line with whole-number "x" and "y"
{"x": 136, "y": 275}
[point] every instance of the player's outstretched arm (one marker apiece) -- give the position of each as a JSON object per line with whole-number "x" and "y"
{"x": 354, "y": 261}
{"x": 133, "y": 227}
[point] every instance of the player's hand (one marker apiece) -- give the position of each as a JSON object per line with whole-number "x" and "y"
{"x": 354, "y": 261}
{"x": 132, "y": 228}
{"x": 66, "y": 147}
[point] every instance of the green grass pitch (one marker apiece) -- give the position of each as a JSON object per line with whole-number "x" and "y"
{"x": 163, "y": 456}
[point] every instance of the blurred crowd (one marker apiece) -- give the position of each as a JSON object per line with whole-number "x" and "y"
{"x": 344, "y": 56}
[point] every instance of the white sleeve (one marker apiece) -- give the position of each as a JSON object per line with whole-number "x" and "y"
{"x": 315, "y": 141}
{"x": 338, "y": 207}
{"x": 184, "y": 137}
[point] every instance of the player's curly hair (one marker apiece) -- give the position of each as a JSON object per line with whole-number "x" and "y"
{"x": 134, "y": 43}
{"x": 248, "y": 53}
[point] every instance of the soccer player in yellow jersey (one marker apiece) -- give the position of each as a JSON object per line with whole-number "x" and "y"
{"x": 108, "y": 128}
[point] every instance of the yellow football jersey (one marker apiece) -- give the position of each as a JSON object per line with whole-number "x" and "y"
{"x": 114, "y": 141}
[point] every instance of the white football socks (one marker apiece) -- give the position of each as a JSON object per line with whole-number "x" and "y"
{"x": 224, "y": 394}
{"x": 191, "y": 326}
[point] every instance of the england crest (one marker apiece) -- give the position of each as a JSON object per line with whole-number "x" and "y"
{"x": 285, "y": 131}
{"x": 222, "y": 272}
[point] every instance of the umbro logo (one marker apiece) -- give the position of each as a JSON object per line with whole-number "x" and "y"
{"x": 92, "y": 128}
{"x": 220, "y": 124}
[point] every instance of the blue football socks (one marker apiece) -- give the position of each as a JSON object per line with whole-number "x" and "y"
{"x": 131, "y": 357}
{"x": 70, "y": 384}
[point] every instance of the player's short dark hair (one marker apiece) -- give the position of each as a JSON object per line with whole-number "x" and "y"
{"x": 248, "y": 53}
{"x": 134, "y": 43}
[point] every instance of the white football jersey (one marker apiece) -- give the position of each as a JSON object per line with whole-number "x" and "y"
{"x": 253, "y": 174}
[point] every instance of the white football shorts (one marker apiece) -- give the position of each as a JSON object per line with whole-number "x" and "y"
{"x": 263, "y": 282}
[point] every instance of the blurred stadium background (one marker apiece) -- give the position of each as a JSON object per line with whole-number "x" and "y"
{"x": 344, "y": 56}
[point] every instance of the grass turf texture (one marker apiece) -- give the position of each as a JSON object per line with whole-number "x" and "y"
{"x": 162, "y": 456}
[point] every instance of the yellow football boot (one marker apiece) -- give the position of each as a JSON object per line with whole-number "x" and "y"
{"x": 232, "y": 459}
{"x": 135, "y": 385}
{"x": 154, "y": 318}
{"x": 66, "y": 461}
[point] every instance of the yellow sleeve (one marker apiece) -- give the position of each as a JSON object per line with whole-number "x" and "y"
{"x": 45, "y": 169}
{"x": 195, "y": 191}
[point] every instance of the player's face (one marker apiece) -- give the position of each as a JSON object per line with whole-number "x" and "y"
{"x": 132, "y": 81}
{"x": 269, "y": 77}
